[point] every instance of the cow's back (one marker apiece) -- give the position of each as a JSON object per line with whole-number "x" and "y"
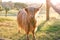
{"x": 26, "y": 21}
{"x": 22, "y": 19}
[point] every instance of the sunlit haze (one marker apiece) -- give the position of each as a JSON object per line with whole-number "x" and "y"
{"x": 55, "y": 1}
{"x": 26, "y": 1}
{"x": 32, "y": 1}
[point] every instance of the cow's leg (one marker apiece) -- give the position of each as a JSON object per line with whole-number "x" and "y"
{"x": 33, "y": 35}
{"x": 27, "y": 36}
{"x": 19, "y": 29}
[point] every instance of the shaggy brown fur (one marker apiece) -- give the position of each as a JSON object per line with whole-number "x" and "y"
{"x": 26, "y": 20}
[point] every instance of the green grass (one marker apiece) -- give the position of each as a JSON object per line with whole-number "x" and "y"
{"x": 51, "y": 29}
{"x": 47, "y": 30}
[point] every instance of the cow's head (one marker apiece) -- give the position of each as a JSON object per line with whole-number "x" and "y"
{"x": 31, "y": 11}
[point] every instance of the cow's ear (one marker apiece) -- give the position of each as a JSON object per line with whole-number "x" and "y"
{"x": 39, "y": 7}
{"x": 26, "y": 9}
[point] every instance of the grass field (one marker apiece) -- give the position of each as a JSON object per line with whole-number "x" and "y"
{"x": 46, "y": 30}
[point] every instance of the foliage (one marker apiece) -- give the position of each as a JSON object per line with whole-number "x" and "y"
{"x": 6, "y": 10}
{"x": 20, "y": 5}
{"x": 1, "y": 8}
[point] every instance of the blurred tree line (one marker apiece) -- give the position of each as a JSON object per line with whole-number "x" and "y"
{"x": 6, "y": 6}
{"x": 12, "y": 5}
{"x": 19, "y": 5}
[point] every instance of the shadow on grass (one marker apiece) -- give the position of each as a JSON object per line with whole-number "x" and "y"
{"x": 41, "y": 25}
